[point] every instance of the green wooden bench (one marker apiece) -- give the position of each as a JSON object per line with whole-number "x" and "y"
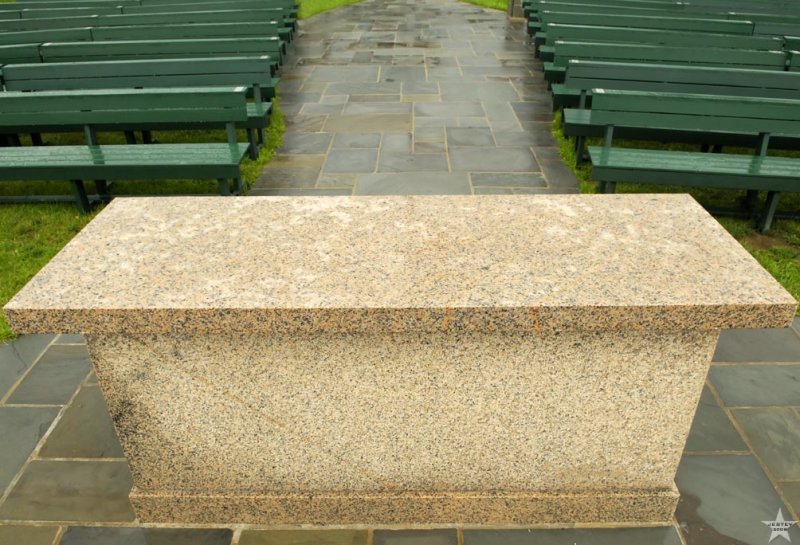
{"x": 656, "y": 54}
{"x": 792, "y": 43}
{"x": 530, "y": 7}
{"x": 589, "y": 33}
{"x": 43, "y": 13}
{"x": 189, "y": 17}
{"x": 255, "y": 73}
{"x": 46, "y": 24}
{"x": 287, "y": 15}
{"x": 39, "y": 36}
{"x": 582, "y": 76}
{"x": 65, "y": 4}
{"x": 699, "y": 24}
{"x": 182, "y": 31}
{"x": 759, "y": 117}
{"x": 269, "y": 28}
{"x": 21, "y": 53}
{"x": 794, "y": 61}
{"x": 219, "y": 161}
{"x": 162, "y": 49}
{"x": 179, "y": 5}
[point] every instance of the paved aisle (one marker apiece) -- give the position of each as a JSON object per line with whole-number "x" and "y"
{"x": 414, "y": 97}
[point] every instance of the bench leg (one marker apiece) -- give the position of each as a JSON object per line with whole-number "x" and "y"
{"x": 262, "y": 137}
{"x": 36, "y": 139}
{"x": 769, "y": 211}
{"x": 224, "y": 187}
{"x": 254, "y": 148}
{"x": 147, "y": 137}
{"x": 751, "y": 200}
{"x": 579, "y": 145}
{"x": 102, "y": 190}
{"x": 81, "y": 199}
{"x": 238, "y": 187}
{"x": 15, "y": 141}
{"x": 130, "y": 137}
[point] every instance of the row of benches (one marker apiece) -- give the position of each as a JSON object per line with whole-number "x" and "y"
{"x": 690, "y": 79}
{"x": 185, "y": 84}
{"x": 50, "y": 52}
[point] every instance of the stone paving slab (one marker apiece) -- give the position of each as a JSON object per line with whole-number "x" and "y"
{"x": 430, "y": 89}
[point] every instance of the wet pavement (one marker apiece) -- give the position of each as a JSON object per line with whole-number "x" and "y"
{"x": 414, "y": 97}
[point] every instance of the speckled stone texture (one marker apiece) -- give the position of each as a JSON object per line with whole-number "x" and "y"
{"x": 473, "y": 360}
{"x": 349, "y": 428}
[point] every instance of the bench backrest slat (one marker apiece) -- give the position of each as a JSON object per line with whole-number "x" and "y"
{"x": 682, "y": 79}
{"x": 184, "y": 31}
{"x": 160, "y": 49}
{"x": 185, "y": 17}
{"x": 123, "y": 107}
{"x": 770, "y": 60}
{"x": 590, "y": 33}
{"x": 233, "y": 5}
{"x": 69, "y": 12}
{"x": 695, "y": 112}
{"x": 39, "y": 36}
{"x": 20, "y": 53}
{"x": 47, "y": 23}
{"x": 722, "y": 26}
{"x": 139, "y": 73}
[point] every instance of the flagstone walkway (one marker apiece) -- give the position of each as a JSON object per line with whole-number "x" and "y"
{"x": 414, "y": 97}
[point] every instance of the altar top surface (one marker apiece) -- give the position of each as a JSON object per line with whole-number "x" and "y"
{"x": 414, "y": 263}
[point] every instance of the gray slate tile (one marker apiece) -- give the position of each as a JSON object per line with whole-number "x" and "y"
{"x": 711, "y": 429}
{"x": 508, "y": 179}
{"x": 775, "y": 436}
{"x": 757, "y": 385}
{"x": 303, "y": 537}
{"x": 84, "y": 431}
{"x": 21, "y": 428}
{"x": 27, "y": 535}
{"x": 413, "y": 183}
{"x": 16, "y": 356}
{"x": 81, "y": 535}
{"x": 356, "y": 140}
{"x": 791, "y": 491}
{"x": 403, "y": 162}
{"x": 55, "y": 377}
{"x": 351, "y": 160}
{"x": 494, "y": 160}
{"x": 71, "y": 491}
{"x": 758, "y": 345}
{"x": 305, "y": 143}
{"x": 449, "y": 109}
{"x": 415, "y": 537}
{"x": 68, "y": 338}
{"x": 594, "y": 536}
{"x": 724, "y": 500}
{"x": 469, "y": 136}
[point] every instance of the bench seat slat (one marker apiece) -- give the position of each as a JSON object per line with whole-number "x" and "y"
{"x": 160, "y": 161}
{"x": 695, "y": 169}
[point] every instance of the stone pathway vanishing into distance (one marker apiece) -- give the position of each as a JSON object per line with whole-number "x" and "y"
{"x": 414, "y": 97}
{"x": 402, "y": 96}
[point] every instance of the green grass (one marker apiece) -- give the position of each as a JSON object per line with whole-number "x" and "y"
{"x": 31, "y": 234}
{"x": 778, "y": 251}
{"x": 492, "y": 4}
{"x": 309, "y": 8}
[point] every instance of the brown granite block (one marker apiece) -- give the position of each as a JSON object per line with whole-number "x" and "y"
{"x": 257, "y": 419}
{"x": 397, "y": 360}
